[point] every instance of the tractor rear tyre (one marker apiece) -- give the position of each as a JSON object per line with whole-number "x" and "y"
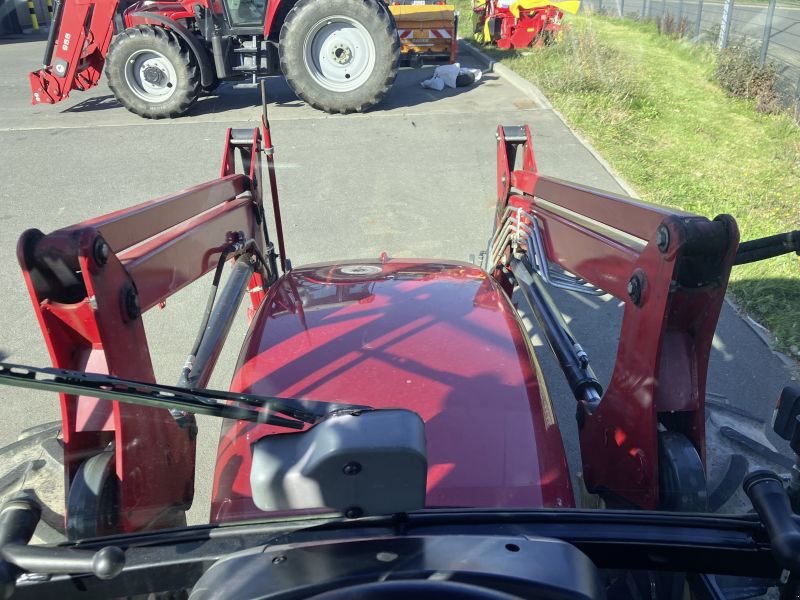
{"x": 34, "y": 466}
{"x": 152, "y": 72}
{"x": 340, "y": 56}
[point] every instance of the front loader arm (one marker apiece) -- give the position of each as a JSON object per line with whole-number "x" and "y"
{"x": 90, "y": 284}
{"x": 76, "y": 49}
{"x": 670, "y": 271}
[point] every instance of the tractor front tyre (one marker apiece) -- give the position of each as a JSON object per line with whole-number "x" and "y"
{"x": 152, "y": 72}
{"x": 340, "y": 56}
{"x": 681, "y": 475}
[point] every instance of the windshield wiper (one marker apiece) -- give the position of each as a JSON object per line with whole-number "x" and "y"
{"x": 296, "y": 414}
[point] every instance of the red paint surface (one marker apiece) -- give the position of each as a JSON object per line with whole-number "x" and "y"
{"x": 440, "y": 339}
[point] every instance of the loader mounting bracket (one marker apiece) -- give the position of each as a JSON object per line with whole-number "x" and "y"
{"x": 668, "y": 269}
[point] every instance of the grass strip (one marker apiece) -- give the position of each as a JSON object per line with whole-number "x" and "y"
{"x": 649, "y": 104}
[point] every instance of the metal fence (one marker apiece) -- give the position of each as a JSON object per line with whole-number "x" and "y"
{"x": 770, "y": 27}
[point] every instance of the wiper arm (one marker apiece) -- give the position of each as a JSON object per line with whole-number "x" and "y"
{"x": 216, "y": 403}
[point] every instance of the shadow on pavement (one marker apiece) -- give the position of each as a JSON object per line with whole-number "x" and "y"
{"x": 92, "y": 104}
{"x": 405, "y": 93}
{"x": 23, "y": 38}
{"x": 408, "y": 92}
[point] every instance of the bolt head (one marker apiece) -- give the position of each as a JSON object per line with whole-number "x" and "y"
{"x": 662, "y": 238}
{"x": 352, "y": 468}
{"x": 635, "y": 289}
{"x": 354, "y": 512}
{"x": 130, "y": 303}
{"x": 101, "y": 251}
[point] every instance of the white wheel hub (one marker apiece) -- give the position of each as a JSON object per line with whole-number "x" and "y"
{"x": 339, "y": 53}
{"x": 151, "y": 76}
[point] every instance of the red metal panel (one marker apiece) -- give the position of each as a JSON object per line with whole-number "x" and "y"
{"x": 174, "y": 10}
{"x": 440, "y": 339}
{"x": 75, "y": 334}
{"x": 171, "y": 260}
{"x": 81, "y": 47}
{"x": 129, "y": 226}
{"x": 635, "y": 217}
{"x": 578, "y": 249}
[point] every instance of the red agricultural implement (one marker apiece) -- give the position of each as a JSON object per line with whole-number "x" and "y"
{"x": 379, "y": 386}
{"x": 521, "y": 23}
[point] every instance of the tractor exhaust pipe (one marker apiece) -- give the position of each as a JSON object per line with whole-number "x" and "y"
{"x": 571, "y": 357}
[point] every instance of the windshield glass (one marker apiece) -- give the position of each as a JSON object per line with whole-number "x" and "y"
{"x": 510, "y": 252}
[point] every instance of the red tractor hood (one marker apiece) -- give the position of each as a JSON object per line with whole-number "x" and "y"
{"x": 441, "y": 339}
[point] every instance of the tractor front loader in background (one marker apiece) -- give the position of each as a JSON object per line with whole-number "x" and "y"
{"x": 339, "y": 56}
{"x": 432, "y": 348}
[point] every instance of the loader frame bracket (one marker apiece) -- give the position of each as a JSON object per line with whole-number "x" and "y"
{"x": 91, "y": 282}
{"x": 670, "y": 271}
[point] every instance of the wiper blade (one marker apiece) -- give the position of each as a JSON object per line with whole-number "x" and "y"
{"x": 216, "y": 403}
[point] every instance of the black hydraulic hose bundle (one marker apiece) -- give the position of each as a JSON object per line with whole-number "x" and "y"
{"x": 571, "y": 358}
{"x": 221, "y": 319}
{"x": 183, "y": 381}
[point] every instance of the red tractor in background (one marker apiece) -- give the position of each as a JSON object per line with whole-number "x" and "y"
{"x": 339, "y": 56}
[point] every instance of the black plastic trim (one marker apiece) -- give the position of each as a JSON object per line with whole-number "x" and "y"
{"x": 170, "y": 559}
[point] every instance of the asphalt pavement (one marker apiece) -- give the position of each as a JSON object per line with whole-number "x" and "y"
{"x": 414, "y": 178}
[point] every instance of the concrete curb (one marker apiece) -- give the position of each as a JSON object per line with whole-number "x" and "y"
{"x": 532, "y": 91}
{"x": 765, "y": 335}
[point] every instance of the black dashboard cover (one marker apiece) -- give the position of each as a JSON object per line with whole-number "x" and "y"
{"x": 527, "y": 567}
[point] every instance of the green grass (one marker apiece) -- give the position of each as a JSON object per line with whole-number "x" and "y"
{"x": 649, "y": 105}
{"x": 780, "y": 3}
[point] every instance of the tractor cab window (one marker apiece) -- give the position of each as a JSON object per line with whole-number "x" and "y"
{"x": 246, "y": 12}
{"x": 217, "y": 8}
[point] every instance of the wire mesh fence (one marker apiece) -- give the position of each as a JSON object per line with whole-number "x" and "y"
{"x": 770, "y": 29}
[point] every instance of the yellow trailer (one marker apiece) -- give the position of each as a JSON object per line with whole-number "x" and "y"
{"x": 428, "y": 32}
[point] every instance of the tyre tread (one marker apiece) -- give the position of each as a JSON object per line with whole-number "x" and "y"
{"x": 161, "y": 38}
{"x": 318, "y": 103}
